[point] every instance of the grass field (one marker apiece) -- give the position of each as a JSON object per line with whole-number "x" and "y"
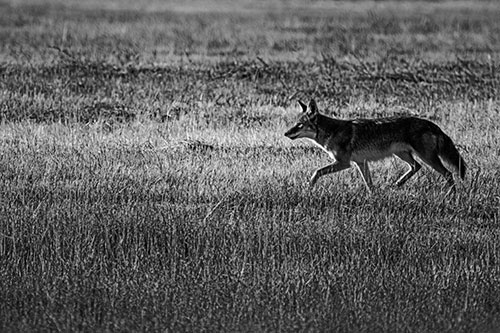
{"x": 146, "y": 185}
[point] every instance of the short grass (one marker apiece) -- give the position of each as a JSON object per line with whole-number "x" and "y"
{"x": 146, "y": 185}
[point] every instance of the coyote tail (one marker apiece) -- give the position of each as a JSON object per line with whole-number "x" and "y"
{"x": 449, "y": 153}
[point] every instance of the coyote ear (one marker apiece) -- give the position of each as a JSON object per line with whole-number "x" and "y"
{"x": 303, "y": 106}
{"x": 313, "y": 107}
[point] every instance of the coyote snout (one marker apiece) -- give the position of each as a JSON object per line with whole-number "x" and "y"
{"x": 363, "y": 140}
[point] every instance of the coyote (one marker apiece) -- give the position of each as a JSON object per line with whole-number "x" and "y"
{"x": 364, "y": 140}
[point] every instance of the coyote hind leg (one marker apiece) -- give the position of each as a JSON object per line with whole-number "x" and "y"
{"x": 414, "y": 167}
{"x": 434, "y": 162}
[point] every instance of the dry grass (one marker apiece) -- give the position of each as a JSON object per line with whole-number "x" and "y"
{"x": 146, "y": 183}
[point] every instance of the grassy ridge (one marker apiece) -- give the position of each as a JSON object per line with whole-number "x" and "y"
{"x": 146, "y": 183}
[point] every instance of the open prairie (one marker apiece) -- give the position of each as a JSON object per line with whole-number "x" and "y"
{"x": 146, "y": 185}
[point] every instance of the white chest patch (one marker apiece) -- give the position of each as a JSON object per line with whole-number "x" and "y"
{"x": 330, "y": 153}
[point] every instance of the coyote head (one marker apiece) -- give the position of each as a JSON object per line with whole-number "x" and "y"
{"x": 306, "y": 126}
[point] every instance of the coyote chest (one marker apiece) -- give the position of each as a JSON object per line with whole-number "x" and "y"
{"x": 332, "y": 152}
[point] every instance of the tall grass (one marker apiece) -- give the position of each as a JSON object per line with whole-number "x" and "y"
{"x": 146, "y": 185}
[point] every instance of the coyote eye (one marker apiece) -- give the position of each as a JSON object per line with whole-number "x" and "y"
{"x": 300, "y": 125}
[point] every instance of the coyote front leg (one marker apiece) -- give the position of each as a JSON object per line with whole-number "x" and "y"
{"x": 365, "y": 173}
{"x": 334, "y": 167}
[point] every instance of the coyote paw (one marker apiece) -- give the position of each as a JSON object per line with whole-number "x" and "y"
{"x": 452, "y": 191}
{"x": 313, "y": 181}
